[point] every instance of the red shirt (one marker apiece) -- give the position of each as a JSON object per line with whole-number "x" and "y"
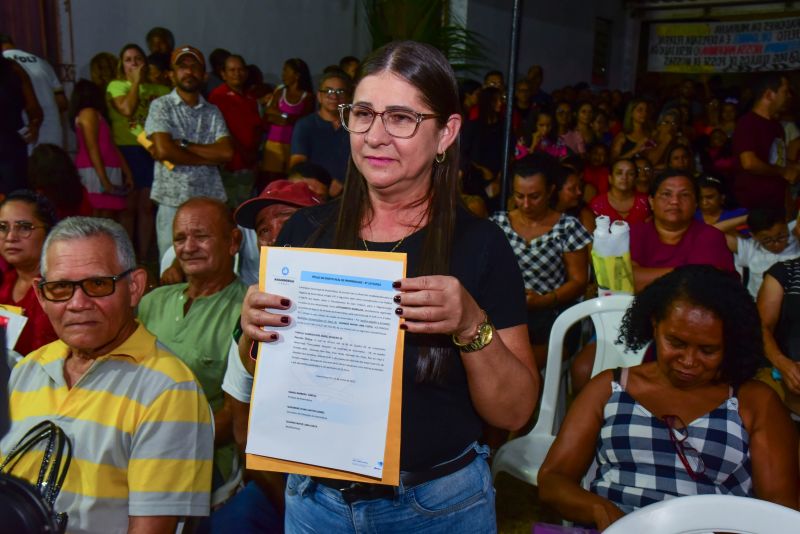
{"x": 765, "y": 138}
{"x": 639, "y": 212}
{"x": 38, "y": 331}
{"x": 598, "y": 177}
{"x": 701, "y": 244}
{"x": 245, "y": 124}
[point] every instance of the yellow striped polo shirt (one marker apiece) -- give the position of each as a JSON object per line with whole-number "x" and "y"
{"x": 140, "y": 428}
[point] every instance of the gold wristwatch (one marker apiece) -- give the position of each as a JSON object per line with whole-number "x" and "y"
{"x": 482, "y": 338}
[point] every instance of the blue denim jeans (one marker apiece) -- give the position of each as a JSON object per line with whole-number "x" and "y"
{"x": 462, "y": 502}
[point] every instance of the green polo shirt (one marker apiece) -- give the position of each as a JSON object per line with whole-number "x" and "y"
{"x": 200, "y": 338}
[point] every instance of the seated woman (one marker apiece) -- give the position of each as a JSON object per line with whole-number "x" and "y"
{"x": 691, "y": 422}
{"x": 779, "y": 307}
{"x": 712, "y": 202}
{"x": 25, "y": 219}
{"x": 673, "y": 237}
{"x": 551, "y": 248}
{"x": 622, "y": 201}
{"x": 568, "y": 193}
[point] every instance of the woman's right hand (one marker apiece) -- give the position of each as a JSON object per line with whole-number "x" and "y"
{"x": 135, "y": 75}
{"x": 255, "y": 315}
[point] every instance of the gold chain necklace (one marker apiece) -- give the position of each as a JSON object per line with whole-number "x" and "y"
{"x": 393, "y": 248}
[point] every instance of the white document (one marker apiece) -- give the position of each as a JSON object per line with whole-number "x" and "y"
{"x": 16, "y": 323}
{"x": 321, "y": 393}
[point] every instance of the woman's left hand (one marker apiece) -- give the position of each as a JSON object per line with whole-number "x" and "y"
{"x": 438, "y": 305}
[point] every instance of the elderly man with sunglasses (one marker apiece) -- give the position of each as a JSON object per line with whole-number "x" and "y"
{"x": 139, "y": 423}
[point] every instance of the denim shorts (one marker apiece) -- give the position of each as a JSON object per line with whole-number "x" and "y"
{"x": 462, "y": 502}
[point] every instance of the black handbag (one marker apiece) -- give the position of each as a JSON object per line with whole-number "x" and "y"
{"x": 30, "y": 508}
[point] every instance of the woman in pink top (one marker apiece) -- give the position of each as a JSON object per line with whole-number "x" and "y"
{"x": 622, "y": 201}
{"x": 290, "y": 102}
{"x": 103, "y": 171}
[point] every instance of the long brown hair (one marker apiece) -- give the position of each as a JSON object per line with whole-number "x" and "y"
{"x": 425, "y": 68}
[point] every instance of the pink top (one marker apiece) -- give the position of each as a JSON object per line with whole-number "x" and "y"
{"x": 639, "y": 212}
{"x": 282, "y": 133}
{"x": 701, "y": 244}
{"x": 108, "y": 153}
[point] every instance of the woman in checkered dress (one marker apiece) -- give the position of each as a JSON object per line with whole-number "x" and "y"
{"x": 692, "y": 422}
{"x": 551, "y": 247}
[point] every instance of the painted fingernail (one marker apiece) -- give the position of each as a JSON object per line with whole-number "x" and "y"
{"x": 273, "y": 337}
{"x": 253, "y": 351}
{"x": 285, "y": 302}
{"x": 399, "y": 311}
{"x": 403, "y": 326}
{"x": 396, "y": 285}
{"x": 396, "y": 299}
{"x": 285, "y": 320}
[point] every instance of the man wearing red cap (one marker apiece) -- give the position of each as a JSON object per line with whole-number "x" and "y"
{"x": 191, "y": 134}
{"x": 261, "y": 219}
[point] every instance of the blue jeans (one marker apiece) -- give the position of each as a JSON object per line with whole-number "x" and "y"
{"x": 462, "y": 502}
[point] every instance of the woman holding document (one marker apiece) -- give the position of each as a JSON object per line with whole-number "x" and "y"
{"x": 466, "y": 353}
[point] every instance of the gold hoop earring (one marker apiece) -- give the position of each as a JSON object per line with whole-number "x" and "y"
{"x": 439, "y": 158}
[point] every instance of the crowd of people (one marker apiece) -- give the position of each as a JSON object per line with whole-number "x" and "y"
{"x": 136, "y": 262}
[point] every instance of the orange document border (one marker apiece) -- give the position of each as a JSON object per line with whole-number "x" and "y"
{"x": 391, "y": 458}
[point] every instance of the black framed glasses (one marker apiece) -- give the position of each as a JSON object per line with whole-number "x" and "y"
{"x": 22, "y": 228}
{"x": 336, "y": 93}
{"x": 688, "y": 455}
{"x": 767, "y": 241}
{"x": 401, "y": 123}
{"x": 96, "y": 286}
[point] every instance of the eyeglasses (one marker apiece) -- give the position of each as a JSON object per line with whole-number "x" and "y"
{"x": 336, "y": 93}
{"x": 399, "y": 123}
{"x": 22, "y": 228}
{"x": 688, "y": 455}
{"x": 767, "y": 241}
{"x": 96, "y": 286}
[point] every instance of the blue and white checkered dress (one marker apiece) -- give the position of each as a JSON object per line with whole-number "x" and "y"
{"x": 637, "y": 463}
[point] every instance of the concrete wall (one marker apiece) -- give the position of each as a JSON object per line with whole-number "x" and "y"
{"x": 264, "y": 32}
{"x": 557, "y": 34}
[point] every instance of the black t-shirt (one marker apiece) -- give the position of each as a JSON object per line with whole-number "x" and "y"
{"x": 787, "y": 333}
{"x": 438, "y": 419}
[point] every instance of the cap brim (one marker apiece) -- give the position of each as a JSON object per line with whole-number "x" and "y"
{"x": 245, "y": 215}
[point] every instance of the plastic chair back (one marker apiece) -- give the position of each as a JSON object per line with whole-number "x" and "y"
{"x": 523, "y": 456}
{"x": 709, "y": 513}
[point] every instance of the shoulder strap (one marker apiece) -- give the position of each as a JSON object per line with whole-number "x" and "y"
{"x": 617, "y": 375}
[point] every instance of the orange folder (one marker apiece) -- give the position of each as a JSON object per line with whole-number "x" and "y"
{"x": 146, "y": 143}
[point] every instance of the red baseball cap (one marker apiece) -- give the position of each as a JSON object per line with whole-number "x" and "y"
{"x": 277, "y": 192}
{"x": 187, "y": 50}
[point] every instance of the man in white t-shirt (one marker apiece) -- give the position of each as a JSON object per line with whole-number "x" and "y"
{"x": 773, "y": 241}
{"x": 47, "y": 87}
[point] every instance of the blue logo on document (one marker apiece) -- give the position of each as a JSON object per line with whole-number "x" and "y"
{"x": 285, "y": 271}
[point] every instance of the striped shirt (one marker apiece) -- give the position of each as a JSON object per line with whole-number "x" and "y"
{"x": 140, "y": 428}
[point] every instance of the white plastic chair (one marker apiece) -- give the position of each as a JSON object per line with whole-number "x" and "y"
{"x": 709, "y": 513}
{"x": 522, "y": 457}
